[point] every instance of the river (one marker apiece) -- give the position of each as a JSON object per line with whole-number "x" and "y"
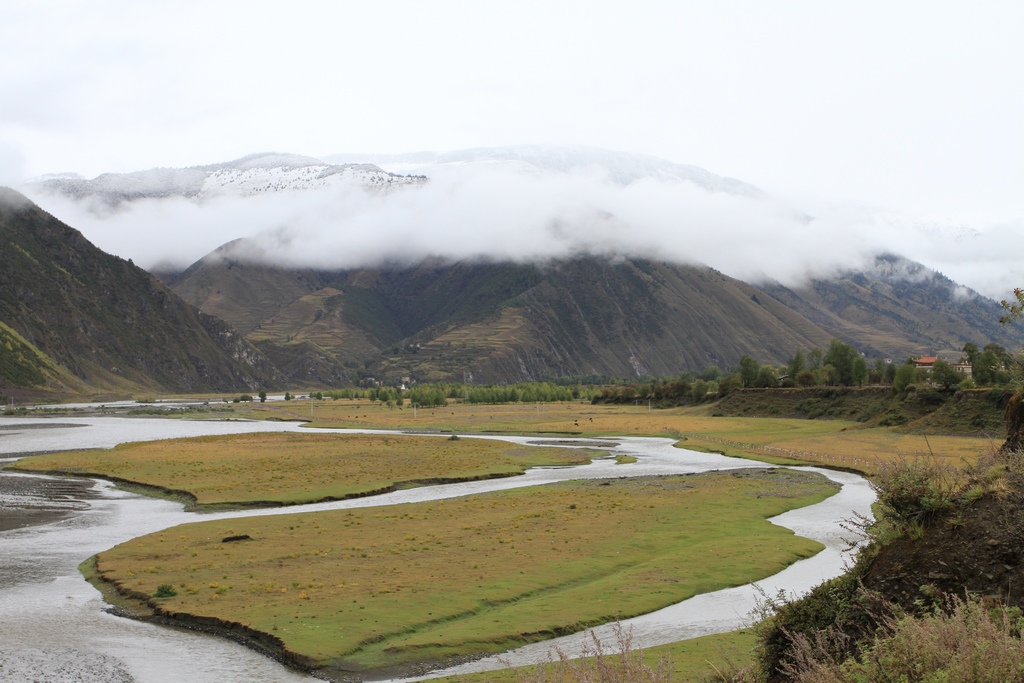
{"x": 54, "y": 627}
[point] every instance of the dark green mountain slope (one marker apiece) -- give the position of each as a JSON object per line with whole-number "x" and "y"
{"x": 107, "y": 322}
{"x": 25, "y": 371}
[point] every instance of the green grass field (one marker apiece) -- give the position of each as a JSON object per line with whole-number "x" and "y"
{"x": 379, "y": 587}
{"x": 300, "y": 468}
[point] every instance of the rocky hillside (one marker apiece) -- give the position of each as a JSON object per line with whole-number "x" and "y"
{"x": 445, "y": 307}
{"x": 71, "y": 310}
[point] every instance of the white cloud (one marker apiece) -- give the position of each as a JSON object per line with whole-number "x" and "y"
{"x": 909, "y": 104}
{"x": 12, "y": 164}
{"x": 498, "y": 213}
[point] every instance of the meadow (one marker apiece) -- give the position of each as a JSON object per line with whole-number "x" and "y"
{"x": 405, "y": 585}
{"x": 288, "y": 468}
{"x": 832, "y": 443}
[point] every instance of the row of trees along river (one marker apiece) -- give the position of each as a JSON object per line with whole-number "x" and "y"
{"x": 838, "y": 365}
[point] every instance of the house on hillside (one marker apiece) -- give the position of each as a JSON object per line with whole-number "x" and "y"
{"x": 926, "y": 363}
{"x": 964, "y": 369}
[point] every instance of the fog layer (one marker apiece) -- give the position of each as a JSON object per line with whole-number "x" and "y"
{"x": 501, "y": 213}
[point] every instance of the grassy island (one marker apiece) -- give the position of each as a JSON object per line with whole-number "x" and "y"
{"x": 369, "y": 588}
{"x": 289, "y": 468}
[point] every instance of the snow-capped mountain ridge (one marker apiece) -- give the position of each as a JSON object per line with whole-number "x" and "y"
{"x": 520, "y": 203}
{"x": 271, "y": 172}
{"x": 247, "y": 176}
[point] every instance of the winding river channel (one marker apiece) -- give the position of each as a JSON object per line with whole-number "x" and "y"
{"x": 54, "y": 625}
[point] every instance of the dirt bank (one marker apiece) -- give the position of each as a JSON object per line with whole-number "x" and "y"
{"x": 979, "y": 550}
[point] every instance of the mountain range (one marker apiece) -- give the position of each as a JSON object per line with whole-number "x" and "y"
{"x": 589, "y": 316}
{"x": 442, "y": 318}
{"x": 619, "y": 167}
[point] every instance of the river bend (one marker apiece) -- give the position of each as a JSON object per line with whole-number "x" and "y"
{"x": 54, "y": 627}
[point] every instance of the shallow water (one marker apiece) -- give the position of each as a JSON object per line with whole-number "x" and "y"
{"x": 54, "y": 628}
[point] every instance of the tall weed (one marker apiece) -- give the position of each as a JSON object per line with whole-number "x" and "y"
{"x": 917, "y": 490}
{"x": 599, "y": 664}
{"x": 967, "y": 641}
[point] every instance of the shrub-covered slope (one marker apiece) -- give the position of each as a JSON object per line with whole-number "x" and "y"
{"x": 936, "y": 589}
{"x": 924, "y": 408}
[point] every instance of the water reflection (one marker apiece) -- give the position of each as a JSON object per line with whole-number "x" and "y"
{"x": 55, "y": 627}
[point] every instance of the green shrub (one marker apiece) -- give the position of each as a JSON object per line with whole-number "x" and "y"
{"x": 893, "y": 419}
{"x": 165, "y": 590}
{"x": 834, "y": 607}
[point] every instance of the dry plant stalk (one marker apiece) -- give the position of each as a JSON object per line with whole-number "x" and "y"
{"x": 598, "y": 664}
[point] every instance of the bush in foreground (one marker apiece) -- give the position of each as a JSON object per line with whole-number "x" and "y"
{"x": 864, "y": 627}
{"x": 964, "y": 640}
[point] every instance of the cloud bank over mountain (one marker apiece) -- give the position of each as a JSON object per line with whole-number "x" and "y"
{"x": 502, "y": 209}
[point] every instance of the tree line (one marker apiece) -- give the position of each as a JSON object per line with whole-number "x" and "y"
{"x": 438, "y": 394}
{"x": 838, "y": 365}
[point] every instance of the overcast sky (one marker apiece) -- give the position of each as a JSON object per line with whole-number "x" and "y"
{"x": 915, "y": 106}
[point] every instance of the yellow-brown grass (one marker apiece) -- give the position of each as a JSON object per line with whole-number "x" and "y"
{"x": 294, "y": 468}
{"x": 834, "y": 443}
